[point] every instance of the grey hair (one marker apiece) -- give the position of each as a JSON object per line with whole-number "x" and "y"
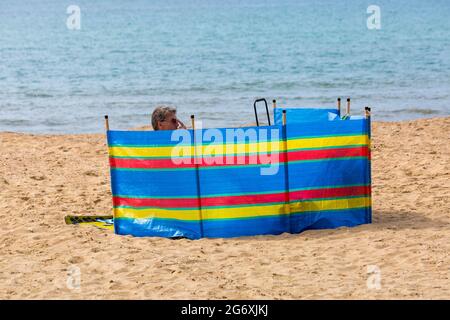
{"x": 160, "y": 113}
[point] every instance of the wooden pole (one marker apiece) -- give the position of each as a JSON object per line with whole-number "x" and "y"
{"x": 193, "y": 135}
{"x": 197, "y": 173}
{"x": 367, "y": 112}
{"x": 287, "y": 207}
{"x": 193, "y": 121}
{"x": 339, "y": 106}
{"x": 109, "y": 154}
{"x": 274, "y": 103}
{"x": 369, "y": 145}
{"x": 106, "y": 123}
{"x": 348, "y": 107}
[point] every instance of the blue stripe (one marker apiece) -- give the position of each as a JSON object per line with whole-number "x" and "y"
{"x": 296, "y": 115}
{"x": 326, "y": 128}
{"x": 240, "y": 180}
{"x": 149, "y": 138}
{"x": 183, "y": 182}
{"x": 154, "y": 183}
{"x": 329, "y": 219}
{"x": 167, "y": 228}
{"x": 212, "y": 136}
{"x": 180, "y": 183}
{"x": 332, "y": 173}
{"x": 246, "y": 227}
{"x": 228, "y": 228}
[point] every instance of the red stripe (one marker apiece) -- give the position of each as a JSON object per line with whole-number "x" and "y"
{"x": 328, "y": 153}
{"x": 148, "y": 163}
{"x": 329, "y": 193}
{"x": 238, "y": 160}
{"x": 240, "y": 200}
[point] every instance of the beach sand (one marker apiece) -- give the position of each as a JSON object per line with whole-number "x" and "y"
{"x": 45, "y": 177}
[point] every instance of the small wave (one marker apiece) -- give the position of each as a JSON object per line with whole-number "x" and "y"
{"x": 324, "y": 84}
{"x": 38, "y": 95}
{"x": 416, "y": 111}
{"x": 14, "y": 122}
{"x": 53, "y": 123}
{"x": 286, "y": 85}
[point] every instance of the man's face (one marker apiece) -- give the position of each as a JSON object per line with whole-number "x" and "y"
{"x": 170, "y": 123}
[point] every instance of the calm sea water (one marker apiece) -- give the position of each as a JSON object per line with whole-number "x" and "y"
{"x": 213, "y": 58}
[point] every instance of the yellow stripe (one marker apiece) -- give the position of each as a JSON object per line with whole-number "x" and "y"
{"x": 336, "y": 204}
{"x": 243, "y": 212}
{"x": 231, "y": 149}
{"x": 157, "y": 213}
{"x": 327, "y": 142}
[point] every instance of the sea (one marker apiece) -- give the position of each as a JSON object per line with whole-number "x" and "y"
{"x": 66, "y": 64}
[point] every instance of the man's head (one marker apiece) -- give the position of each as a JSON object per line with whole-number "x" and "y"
{"x": 165, "y": 118}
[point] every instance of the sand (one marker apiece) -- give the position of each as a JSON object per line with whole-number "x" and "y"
{"x": 45, "y": 177}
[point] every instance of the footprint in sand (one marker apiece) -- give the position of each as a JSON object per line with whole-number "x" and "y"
{"x": 76, "y": 259}
{"x": 38, "y": 178}
{"x": 116, "y": 286}
{"x": 91, "y": 173}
